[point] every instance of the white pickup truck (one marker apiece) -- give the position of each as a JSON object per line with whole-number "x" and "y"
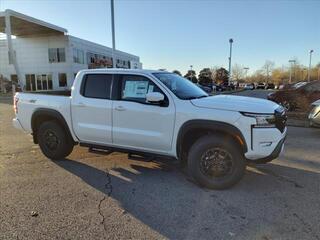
{"x": 156, "y": 113}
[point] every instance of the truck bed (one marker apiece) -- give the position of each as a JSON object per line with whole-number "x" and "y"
{"x": 55, "y": 93}
{"x": 29, "y": 102}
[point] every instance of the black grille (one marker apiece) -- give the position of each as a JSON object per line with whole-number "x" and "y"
{"x": 280, "y": 119}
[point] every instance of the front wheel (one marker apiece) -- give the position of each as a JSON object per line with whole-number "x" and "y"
{"x": 216, "y": 162}
{"x": 54, "y": 142}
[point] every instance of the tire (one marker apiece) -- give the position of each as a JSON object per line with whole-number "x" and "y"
{"x": 54, "y": 142}
{"x": 214, "y": 144}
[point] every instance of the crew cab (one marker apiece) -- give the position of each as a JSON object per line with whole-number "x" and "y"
{"x": 155, "y": 113}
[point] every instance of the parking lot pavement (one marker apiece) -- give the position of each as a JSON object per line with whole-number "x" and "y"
{"x": 90, "y": 196}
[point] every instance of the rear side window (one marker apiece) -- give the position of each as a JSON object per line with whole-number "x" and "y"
{"x": 97, "y": 86}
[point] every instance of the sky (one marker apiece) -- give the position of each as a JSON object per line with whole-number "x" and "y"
{"x": 174, "y": 34}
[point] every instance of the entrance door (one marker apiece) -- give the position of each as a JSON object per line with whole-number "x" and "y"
{"x": 31, "y": 82}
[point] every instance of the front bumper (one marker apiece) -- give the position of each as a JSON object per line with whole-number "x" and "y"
{"x": 276, "y": 152}
{"x": 16, "y": 123}
{"x": 266, "y": 144}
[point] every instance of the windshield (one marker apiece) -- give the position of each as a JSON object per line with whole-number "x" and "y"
{"x": 181, "y": 87}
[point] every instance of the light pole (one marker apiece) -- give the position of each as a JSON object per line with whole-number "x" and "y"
{"x": 246, "y": 69}
{"x": 230, "y": 54}
{"x": 291, "y": 61}
{"x": 191, "y": 73}
{"x": 309, "y": 70}
{"x": 113, "y": 33}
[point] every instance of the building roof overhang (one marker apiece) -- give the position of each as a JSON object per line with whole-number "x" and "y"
{"x": 24, "y": 26}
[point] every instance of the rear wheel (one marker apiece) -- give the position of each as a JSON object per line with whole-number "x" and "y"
{"x": 54, "y": 142}
{"x": 216, "y": 162}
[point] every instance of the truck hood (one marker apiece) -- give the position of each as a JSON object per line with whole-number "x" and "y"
{"x": 236, "y": 103}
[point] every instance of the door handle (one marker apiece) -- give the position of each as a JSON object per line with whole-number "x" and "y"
{"x": 119, "y": 108}
{"x": 81, "y": 104}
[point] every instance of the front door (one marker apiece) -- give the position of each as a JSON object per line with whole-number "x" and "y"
{"x": 91, "y": 109}
{"x": 138, "y": 124}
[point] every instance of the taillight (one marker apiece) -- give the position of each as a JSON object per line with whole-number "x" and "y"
{"x": 15, "y": 104}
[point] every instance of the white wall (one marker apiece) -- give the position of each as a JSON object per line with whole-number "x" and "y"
{"x": 32, "y": 56}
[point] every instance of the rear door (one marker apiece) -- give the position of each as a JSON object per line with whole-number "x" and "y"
{"x": 138, "y": 124}
{"x": 91, "y": 109}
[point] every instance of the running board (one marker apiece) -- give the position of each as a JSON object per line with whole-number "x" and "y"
{"x": 103, "y": 149}
{"x": 100, "y": 151}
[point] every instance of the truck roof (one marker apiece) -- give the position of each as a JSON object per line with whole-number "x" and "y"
{"x": 121, "y": 70}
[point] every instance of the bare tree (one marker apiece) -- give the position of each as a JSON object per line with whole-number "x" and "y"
{"x": 267, "y": 69}
{"x": 213, "y": 72}
{"x": 237, "y": 72}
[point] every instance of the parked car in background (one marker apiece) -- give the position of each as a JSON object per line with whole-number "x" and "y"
{"x": 270, "y": 86}
{"x": 298, "y": 84}
{"x": 216, "y": 87}
{"x": 261, "y": 86}
{"x": 249, "y": 86}
{"x": 207, "y": 89}
{"x": 314, "y": 115}
{"x": 226, "y": 87}
{"x": 298, "y": 97}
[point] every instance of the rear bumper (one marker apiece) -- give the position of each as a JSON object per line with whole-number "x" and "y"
{"x": 16, "y": 123}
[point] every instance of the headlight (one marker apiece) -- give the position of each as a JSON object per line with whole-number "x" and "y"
{"x": 315, "y": 111}
{"x": 263, "y": 120}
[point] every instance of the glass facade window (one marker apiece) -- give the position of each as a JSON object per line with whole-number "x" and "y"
{"x": 98, "y": 61}
{"x": 57, "y": 55}
{"x": 38, "y": 82}
{"x": 122, "y": 63}
{"x": 62, "y": 79}
{"x": 78, "y": 56}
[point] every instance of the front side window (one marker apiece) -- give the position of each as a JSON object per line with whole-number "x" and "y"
{"x": 57, "y": 55}
{"x": 135, "y": 88}
{"x": 97, "y": 86}
{"x": 181, "y": 87}
{"x": 62, "y": 80}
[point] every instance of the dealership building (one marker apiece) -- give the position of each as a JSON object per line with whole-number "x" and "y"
{"x": 44, "y": 57}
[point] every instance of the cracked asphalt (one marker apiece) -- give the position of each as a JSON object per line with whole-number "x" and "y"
{"x": 92, "y": 196}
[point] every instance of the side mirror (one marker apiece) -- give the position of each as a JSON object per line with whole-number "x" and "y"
{"x": 154, "y": 97}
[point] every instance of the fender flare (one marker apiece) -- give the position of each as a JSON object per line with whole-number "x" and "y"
{"x": 212, "y": 126}
{"x": 41, "y": 112}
